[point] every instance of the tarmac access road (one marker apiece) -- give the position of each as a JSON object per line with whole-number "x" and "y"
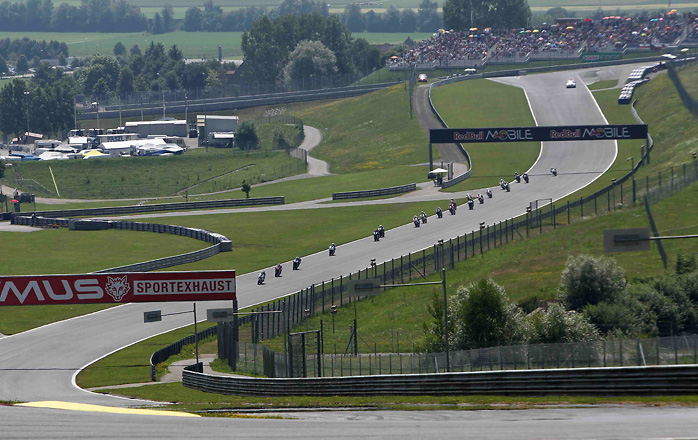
{"x": 41, "y": 364}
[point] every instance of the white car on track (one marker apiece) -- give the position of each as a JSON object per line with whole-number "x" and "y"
{"x": 571, "y": 84}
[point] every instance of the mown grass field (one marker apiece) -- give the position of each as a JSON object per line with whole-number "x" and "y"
{"x": 199, "y": 170}
{"x": 485, "y": 103}
{"x": 58, "y": 251}
{"x": 369, "y": 132}
{"x": 192, "y": 44}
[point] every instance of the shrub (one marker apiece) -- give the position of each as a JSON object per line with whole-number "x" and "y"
{"x": 685, "y": 264}
{"x": 588, "y": 280}
{"x": 558, "y": 325}
{"x": 484, "y": 317}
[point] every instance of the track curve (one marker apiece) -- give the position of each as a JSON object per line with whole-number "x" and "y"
{"x": 40, "y": 364}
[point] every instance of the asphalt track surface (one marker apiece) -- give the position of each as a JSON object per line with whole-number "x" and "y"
{"x": 617, "y": 423}
{"x": 41, "y": 364}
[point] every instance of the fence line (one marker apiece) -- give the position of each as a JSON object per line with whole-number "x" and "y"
{"x": 255, "y": 359}
{"x": 672, "y": 70}
{"x": 220, "y": 242}
{"x": 319, "y": 298}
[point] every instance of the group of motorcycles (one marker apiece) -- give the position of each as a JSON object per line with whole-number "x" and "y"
{"x": 418, "y": 220}
{"x": 278, "y": 268}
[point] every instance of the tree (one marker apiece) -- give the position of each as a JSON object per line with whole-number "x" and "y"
{"x": 62, "y": 60}
{"x": 135, "y": 50}
{"x": 13, "y": 108}
{"x": 3, "y": 65}
{"x": 309, "y": 58}
{"x": 22, "y": 64}
{"x": 353, "y": 19}
{"x": 157, "y": 27}
{"x": 246, "y": 136}
{"x": 408, "y": 20}
{"x": 192, "y": 20}
{"x": 428, "y": 19}
{"x": 168, "y": 18}
{"x": 246, "y": 188}
{"x": 485, "y": 317}
{"x": 464, "y": 14}
{"x": 125, "y": 81}
{"x": 119, "y": 49}
{"x": 588, "y": 280}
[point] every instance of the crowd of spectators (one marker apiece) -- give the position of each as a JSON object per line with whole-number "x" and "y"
{"x": 449, "y": 46}
{"x": 609, "y": 33}
{"x": 692, "y": 26}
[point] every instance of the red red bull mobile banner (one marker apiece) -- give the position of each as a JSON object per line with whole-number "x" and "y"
{"x": 117, "y": 288}
{"x": 538, "y": 134}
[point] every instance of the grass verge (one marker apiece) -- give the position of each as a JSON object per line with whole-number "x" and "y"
{"x": 603, "y": 84}
{"x": 198, "y": 170}
{"x": 498, "y": 105}
{"x": 186, "y": 399}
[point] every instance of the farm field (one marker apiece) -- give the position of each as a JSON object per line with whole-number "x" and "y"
{"x": 192, "y": 44}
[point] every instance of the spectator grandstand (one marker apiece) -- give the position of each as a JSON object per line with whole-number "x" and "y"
{"x": 566, "y": 39}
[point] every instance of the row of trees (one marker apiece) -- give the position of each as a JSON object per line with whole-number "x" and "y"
{"x": 89, "y": 16}
{"x": 44, "y": 104}
{"x": 212, "y": 18}
{"x": 465, "y": 14}
{"x": 11, "y": 49}
{"x": 595, "y": 301}
{"x": 157, "y": 68}
{"x": 269, "y": 44}
{"x": 426, "y": 19}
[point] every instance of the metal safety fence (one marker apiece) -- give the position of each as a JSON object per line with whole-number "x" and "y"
{"x": 542, "y": 216}
{"x": 255, "y": 359}
{"x": 673, "y": 68}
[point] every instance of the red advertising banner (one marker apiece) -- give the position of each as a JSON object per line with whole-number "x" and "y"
{"x": 117, "y": 288}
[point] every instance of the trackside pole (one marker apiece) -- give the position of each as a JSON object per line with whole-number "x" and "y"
{"x": 431, "y": 158}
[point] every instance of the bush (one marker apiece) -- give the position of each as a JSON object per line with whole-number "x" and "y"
{"x": 556, "y": 325}
{"x": 684, "y": 317}
{"x": 588, "y": 280}
{"x": 685, "y": 264}
{"x": 484, "y": 317}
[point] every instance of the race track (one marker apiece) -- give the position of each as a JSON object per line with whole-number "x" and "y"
{"x": 40, "y": 364}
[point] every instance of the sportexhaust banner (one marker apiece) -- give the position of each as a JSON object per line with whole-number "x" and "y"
{"x": 117, "y": 288}
{"x": 538, "y": 134}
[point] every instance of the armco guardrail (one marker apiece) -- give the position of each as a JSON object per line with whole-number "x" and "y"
{"x": 175, "y": 348}
{"x": 140, "y": 209}
{"x": 374, "y": 192}
{"x": 214, "y": 104}
{"x": 614, "y": 381}
{"x": 220, "y": 242}
{"x": 467, "y": 174}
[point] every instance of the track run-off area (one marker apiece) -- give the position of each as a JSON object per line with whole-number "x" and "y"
{"x": 41, "y": 364}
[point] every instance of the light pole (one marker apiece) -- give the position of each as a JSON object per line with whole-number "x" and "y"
{"x": 26, "y": 100}
{"x": 613, "y": 189}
